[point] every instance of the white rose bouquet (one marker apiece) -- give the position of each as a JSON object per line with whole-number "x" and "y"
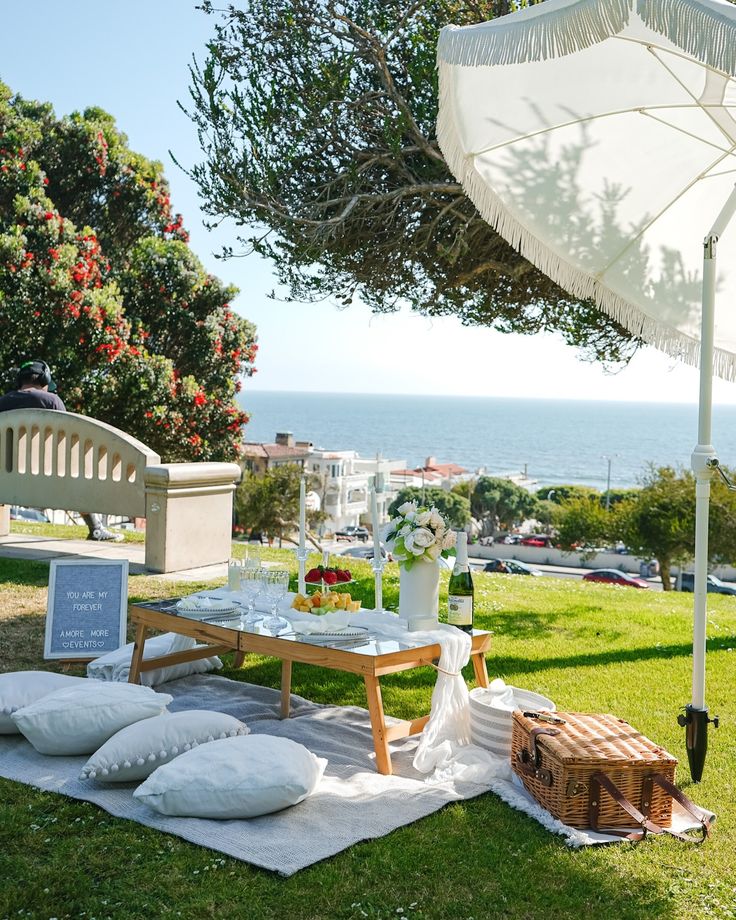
{"x": 418, "y": 534}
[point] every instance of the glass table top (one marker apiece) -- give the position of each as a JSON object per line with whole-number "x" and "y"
{"x": 367, "y": 643}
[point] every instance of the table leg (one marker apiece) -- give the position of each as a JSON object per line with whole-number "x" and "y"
{"x": 137, "y": 657}
{"x": 285, "y": 688}
{"x": 479, "y": 666}
{"x": 378, "y": 724}
{"x": 238, "y": 659}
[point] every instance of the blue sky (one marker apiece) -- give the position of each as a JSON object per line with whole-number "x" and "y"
{"x": 131, "y": 58}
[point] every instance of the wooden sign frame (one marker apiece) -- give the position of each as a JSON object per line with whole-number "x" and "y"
{"x": 97, "y": 622}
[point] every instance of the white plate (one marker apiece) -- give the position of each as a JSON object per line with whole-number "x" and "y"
{"x": 189, "y": 610}
{"x": 349, "y": 632}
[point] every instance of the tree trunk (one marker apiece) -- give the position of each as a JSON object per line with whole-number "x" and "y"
{"x": 664, "y": 572}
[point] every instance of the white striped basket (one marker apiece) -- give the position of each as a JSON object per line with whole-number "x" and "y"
{"x": 490, "y": 726}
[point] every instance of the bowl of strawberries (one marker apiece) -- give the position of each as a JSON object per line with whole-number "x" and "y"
{"x": 328, "y": 575}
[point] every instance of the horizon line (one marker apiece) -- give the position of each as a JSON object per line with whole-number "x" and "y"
{"x": 635, "y": 402}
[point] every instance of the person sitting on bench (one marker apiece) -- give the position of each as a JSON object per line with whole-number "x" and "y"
{"x": 35, "y": 389}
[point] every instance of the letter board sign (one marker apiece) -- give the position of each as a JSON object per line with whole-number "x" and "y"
{"x": 87, "y": 610}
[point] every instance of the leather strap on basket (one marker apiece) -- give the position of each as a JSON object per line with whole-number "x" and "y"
{"x": 530, "y": 762}
{"x": 600, "y": 779}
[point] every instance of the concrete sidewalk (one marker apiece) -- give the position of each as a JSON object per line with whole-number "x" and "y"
{"x": 44, "y": 549}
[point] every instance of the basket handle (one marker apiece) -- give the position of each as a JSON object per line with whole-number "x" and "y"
{"x": 530, "y": 762}
{"x": 598, "y": 780}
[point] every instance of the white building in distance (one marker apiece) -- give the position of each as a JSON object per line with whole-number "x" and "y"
{"x": 344, "y": 477}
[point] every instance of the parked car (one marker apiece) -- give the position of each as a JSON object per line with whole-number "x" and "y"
{"x": 537, "y": 539}
{"x": 28, "y": 514}
{"x": 615, "y": 577}
{"x": 509, "y": 567}
{"x": 351, "y": 532}
{"x": 715, "y": 585}
{"x": 511, "y": 539}
{"x": 363, "y": 552}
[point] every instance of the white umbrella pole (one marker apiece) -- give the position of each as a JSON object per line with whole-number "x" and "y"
{"x": 703, "y": 463}
{"x": 701, "y": 458}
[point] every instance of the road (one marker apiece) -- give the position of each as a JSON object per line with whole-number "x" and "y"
{"x": 553, "y": 571}
{"x": 559, "y": 571}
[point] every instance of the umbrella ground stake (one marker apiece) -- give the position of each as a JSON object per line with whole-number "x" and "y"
{"x": 695, "y": 722}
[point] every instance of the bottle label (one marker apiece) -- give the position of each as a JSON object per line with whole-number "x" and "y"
{"x": 460, "y": 610}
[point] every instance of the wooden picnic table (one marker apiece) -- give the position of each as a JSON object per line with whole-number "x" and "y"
{"x": 371, "y": 660}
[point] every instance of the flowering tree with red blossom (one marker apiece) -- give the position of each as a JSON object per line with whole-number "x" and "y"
{"x": 96, "y": 277}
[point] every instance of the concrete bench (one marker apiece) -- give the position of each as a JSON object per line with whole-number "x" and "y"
{"x": 52, "y": 459}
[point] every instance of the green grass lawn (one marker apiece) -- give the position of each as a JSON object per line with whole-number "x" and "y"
{"x": 589, "y": 647}
{"x": 68, "y": 531}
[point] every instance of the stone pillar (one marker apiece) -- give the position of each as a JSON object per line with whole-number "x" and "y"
{"x": 4, "y": 520}
{"x": 189, "y": 512}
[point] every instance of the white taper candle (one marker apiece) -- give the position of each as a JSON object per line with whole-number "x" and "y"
{"x": 374, "y": 518}
{"x": 302, "y": 555}
{"x": 302, "y": 511}
{"x": 377, "y": 561}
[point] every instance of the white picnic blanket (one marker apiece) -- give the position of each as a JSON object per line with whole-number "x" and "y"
{"x": 352, "y": 802}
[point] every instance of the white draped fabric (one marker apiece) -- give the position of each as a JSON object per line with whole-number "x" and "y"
{"x": 599, "y": 138}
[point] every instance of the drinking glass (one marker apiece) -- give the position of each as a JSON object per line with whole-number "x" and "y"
{"x": 234, "y": 568}
{"x": 252, "y": 557}
{"x": 277, "y": 584}
{"x": 251, "y": 584}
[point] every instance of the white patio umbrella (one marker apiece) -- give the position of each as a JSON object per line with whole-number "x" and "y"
{"x": 599, "y": 138}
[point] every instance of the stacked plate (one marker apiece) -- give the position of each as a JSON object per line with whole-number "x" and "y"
{"x": 201, "y": 607}
{"x": 350, "y": 634}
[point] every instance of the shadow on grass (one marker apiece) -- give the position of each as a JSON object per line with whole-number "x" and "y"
{"x": 508, "y": 663}
{"x": 339, "y": 688}
{"x": 24, "y": 572}
{"x": 529, "y": 625}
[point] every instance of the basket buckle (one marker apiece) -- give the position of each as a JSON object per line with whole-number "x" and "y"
{"x": 544, "y": 777}
{"x": 575, "y": 787}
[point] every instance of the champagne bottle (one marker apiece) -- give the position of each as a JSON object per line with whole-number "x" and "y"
{"x": 460, "y": 589}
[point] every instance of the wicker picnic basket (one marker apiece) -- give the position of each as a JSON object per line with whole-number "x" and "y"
{"x": 581, "y": 769}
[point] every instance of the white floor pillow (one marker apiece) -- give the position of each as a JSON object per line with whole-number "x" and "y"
{"x": 236, "y": 778}
{"x": 77, "y": 720}
{"x": 136, "y": 751}
{"x": 21, "y": 688}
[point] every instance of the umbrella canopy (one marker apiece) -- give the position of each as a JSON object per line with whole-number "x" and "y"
{"x": 599, "y": 138}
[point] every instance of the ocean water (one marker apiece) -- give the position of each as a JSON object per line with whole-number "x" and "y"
{"x": 554, "y": 441}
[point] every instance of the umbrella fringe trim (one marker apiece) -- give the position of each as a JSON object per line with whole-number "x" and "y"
{"x": 706, "y": 33}
{"x": 576, "y": 281}
{"x": 535, "y": 37}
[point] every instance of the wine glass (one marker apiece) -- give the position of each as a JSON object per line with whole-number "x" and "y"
{"x": 252, "y": 586}
{"x": 277, "y": 584}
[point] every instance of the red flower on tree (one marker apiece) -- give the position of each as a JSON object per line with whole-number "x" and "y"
{"x": 153, "y": 353}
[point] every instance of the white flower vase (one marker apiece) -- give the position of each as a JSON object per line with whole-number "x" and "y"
{"x": 419, "y": 594}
